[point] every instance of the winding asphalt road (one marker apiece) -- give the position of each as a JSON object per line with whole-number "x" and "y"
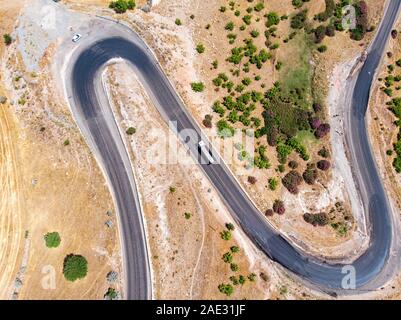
{"x": 91, "y": 109}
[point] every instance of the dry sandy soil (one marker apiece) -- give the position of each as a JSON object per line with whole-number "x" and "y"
{"x": 383, "y": 133}
{"x": 60, "y": 188}
{"x": 47, "y": 186}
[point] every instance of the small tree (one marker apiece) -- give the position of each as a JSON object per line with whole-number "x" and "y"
{"x": 197, "y": 86}
{"x": 130, "y": 131}
{"x": 273, "y": 183}
{"x": 52, "y": 239}
{"x": 178, "y": 22}
{"x": 225, "y": 235}
{"x": 230, "y": 226}
{"x": 200, "y": 48}
{"x": 7, "y": 39}
{"x": 227, "y": 289}
{"x": 227, "y": 257}
{"x": 111, "y": 294}
{"x": 234, "y": 249}
{"x": 252, "y": 277}
{"x": 229, "y": 26}
{"x": 75, "y": 267}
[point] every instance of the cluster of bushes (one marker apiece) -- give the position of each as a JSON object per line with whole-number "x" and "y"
{"x": 226, "y": 289}
{"x": 291, "y": 181}
{"x": 295, "y": 144}
{"x": 260, "y": 160}
{"x": 319, "y": 219}
{"x": 282, "y": 118}
{"x": 395, "y": 107}
{"x": 322, "y": 130}
{"x": 310, "y": 174}
{"x": 121, "y": 6}
{"x": 224, "y": 130}
{"x": 244, "y": 104}
{"x": 250, "y": 51}
{"x": 361, "y": 22}
{"x": 321, "y": 31}
{"x": 228, "y": 257}
{"x": 328, "y": 12}
{"x": 298, "y": 21}
{"x": 299, "y": 3}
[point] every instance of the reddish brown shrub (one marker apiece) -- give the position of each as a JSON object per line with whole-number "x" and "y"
{"x": 278, "y": 207}
{"x": 252, "y": 180}
{"x": 322, "y": 130}
{"x": 291, "y": 181}
{"x": 323, "y": 165}
{"x": 269, "y": 213}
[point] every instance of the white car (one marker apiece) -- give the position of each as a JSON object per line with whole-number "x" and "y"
{"x": 204, "y": 150}
{"x": 76, "y": 37}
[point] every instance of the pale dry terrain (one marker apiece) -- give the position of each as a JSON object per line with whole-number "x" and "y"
{"x": 383, "y": 133}
{"x": 175, "y": 48}
{"x": 62, "y": 188}
{"x": 186, "y": 251}
{"x": 48, "y": 185}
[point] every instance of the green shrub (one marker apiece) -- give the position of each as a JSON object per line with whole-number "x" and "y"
{"x": 328, "y": 12}
{"x": 121, "y": 6}
{"x": 200, "y": 48}
{"x": 252, "y": 277}
{"x": 130, "y": 131}
{"x": 230, "y": 26}
{"x": 298, "y": 21}
{"x": 75, "y": 267}
{"x": 7, "y": 39}
{"x": 234, "y": 267}
{"x": 52, "y": 239}
{"x": 227, "y": 289}
{"x": 230, "y": 226}
{"x": 225, "y": 235}
{"x": 234, "y": 249}
{"x": 272, "y": 19}
{"x": 111, "y": 294}
{"x": 254, "y": 33}
{"x": 197, "y": 86}
{"x": 318, "y": 219}
{"x": 273, "y": 183}
{"x": 247, "y": 19}
{"x": 227, "y": 257}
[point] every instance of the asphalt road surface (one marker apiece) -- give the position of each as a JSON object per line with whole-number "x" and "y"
{"x": 107, "y": 142}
